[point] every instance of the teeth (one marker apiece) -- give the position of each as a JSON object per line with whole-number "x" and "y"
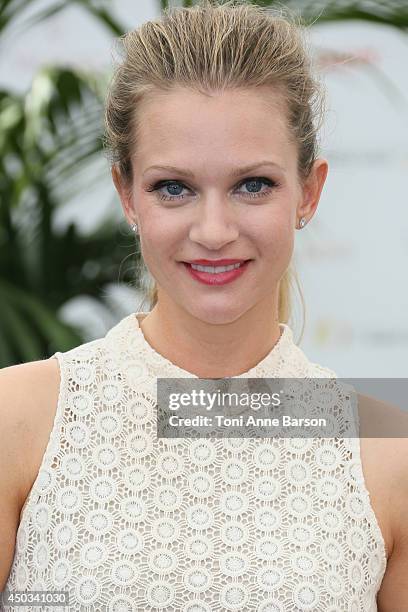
{"x": 215, "y": 270}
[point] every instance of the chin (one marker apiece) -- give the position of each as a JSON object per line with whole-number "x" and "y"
{"x": 218, "y": 315}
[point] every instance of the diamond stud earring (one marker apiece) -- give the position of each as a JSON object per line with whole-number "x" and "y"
{"x": 302, "y": 223}
{"x": 134, "y": 227}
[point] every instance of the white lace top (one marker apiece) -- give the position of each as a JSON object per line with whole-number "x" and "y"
{"x": 125, "y": 521}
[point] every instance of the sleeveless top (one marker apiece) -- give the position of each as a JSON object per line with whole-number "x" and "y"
{"x": 124, "y": 521}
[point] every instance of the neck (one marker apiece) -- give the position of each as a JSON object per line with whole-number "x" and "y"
{"x": 210, "y": 350}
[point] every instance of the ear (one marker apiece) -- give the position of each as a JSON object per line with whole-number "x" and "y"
{"x": 312, "y": 188}
{"x": 124, "y": 195}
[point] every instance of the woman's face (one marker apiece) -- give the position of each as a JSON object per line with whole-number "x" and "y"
{"x": 213, "y": 208}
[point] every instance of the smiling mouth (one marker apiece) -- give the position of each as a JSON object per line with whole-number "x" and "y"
{"x": 216, "y": 275}
{"x": 215, "y": 268}
{"x": 215, "y": 264}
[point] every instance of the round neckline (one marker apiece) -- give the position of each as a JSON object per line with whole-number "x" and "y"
{"x": 272, "y": 362}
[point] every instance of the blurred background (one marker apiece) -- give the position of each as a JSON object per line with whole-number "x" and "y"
{"x": 68, "y": 261}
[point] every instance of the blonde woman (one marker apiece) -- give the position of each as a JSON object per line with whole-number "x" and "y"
{"x": 211, "y": 122}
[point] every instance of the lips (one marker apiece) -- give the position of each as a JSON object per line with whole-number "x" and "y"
{"x": 216, "y": 262}
{"x": 216, "y": 279}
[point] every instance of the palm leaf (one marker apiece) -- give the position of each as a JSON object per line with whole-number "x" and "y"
{"x": 44, "y": 131}
{"x": 10, "y": 10}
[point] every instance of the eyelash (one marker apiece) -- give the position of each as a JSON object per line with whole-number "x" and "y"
{"x": 160, "y": 184}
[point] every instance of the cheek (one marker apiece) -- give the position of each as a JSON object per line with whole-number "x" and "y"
{"x": 273, "y": 234}
{"x": 160, "y": 233}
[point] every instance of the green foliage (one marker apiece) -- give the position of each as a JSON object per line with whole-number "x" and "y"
{"x": 47, "y": 135}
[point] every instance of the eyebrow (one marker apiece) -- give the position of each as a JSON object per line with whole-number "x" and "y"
{"x": 235, "y": 172}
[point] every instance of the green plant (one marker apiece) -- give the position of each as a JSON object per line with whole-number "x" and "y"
{"x": 46, "y": 136}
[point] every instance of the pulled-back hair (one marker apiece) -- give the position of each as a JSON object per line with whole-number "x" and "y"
{"x": 211, "y": 47}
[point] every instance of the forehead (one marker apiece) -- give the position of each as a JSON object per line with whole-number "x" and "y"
{"x": 186, "y": 123}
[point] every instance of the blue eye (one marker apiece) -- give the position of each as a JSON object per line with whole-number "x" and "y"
{"x": 253, "y": 182}
{"x": 177, "y": 185}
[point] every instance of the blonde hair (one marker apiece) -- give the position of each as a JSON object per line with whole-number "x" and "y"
{"x": 211, "y": 47}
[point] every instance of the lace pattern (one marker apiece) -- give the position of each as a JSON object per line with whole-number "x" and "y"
{"x": 124, "y": 521}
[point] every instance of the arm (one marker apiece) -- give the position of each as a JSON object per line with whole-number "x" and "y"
{"x": 11, "y": 472}
{"x": 389, "y": 461}
{"x": 393, "y": 593}
{"x": 28, "y": 397}
{"x": 10, "y": 488}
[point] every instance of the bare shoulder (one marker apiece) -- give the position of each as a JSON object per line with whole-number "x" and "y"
{"x": 386, "y": 461}
{"x": 28, "y": 401}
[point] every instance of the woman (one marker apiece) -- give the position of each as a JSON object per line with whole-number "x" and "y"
{"x": 211, "y": 123}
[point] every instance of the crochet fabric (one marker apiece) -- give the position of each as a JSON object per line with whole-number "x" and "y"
{"x": 125, "y": 521}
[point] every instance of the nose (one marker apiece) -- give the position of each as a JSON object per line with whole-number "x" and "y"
{"x": 215, "y": 225}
